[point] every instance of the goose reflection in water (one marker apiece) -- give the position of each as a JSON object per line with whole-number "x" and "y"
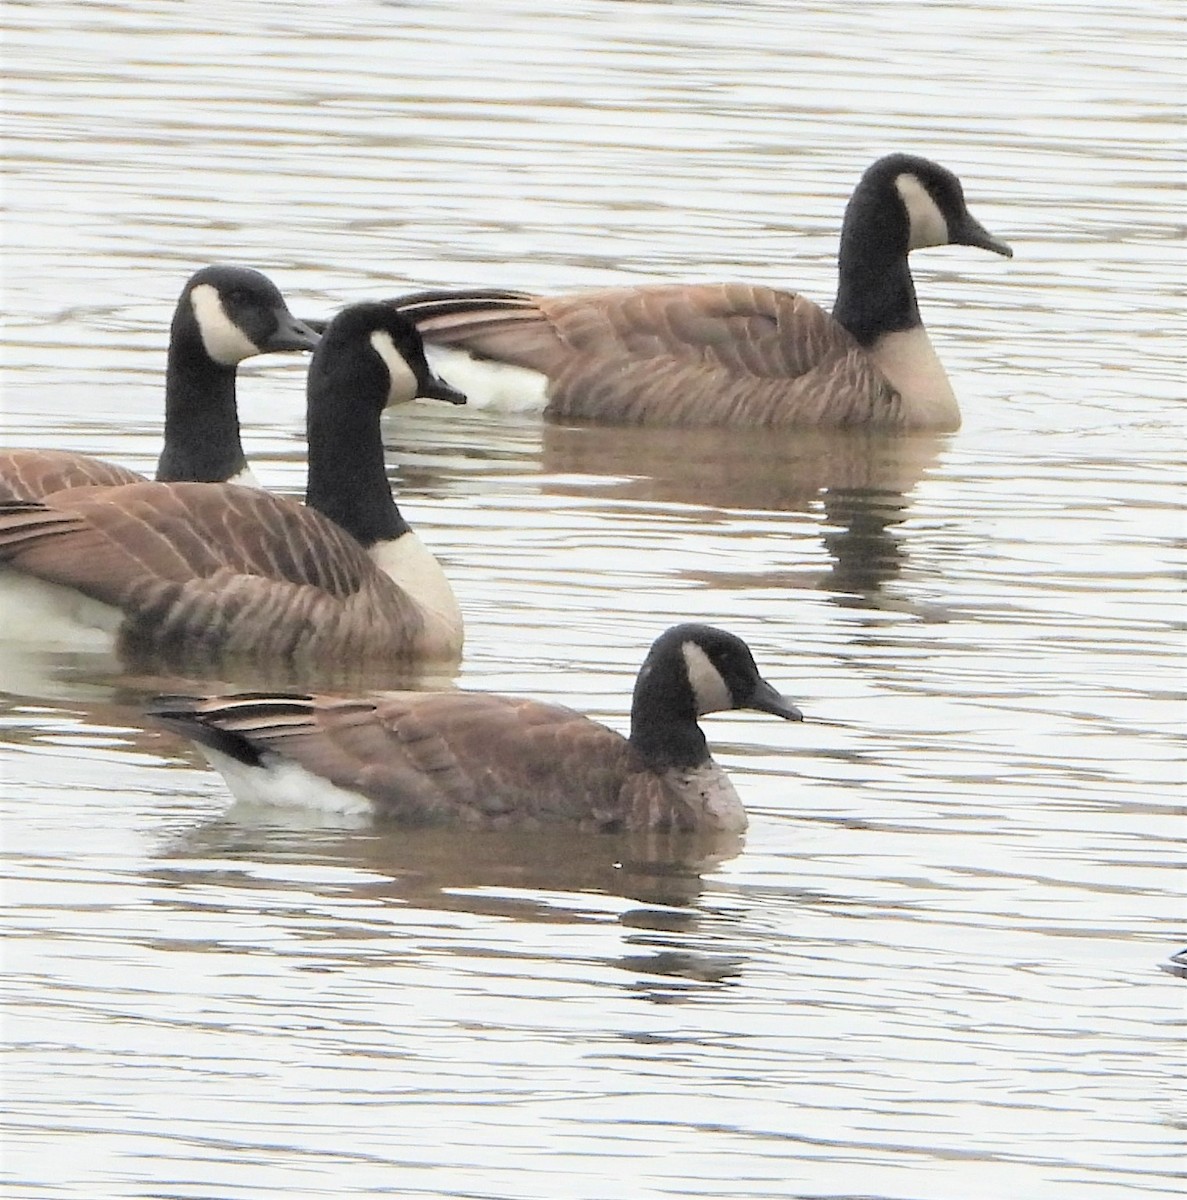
{"x": 548, "y": 878}
{"x": 860, "y": 482}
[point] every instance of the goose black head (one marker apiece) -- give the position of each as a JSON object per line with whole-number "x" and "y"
{"x": 235, "y": 313}
{"x": 692, "y": 670}
{"x": 372, "y": 347}
{"x": 904, "y": 202}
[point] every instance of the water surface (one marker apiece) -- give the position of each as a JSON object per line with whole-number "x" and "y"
{"x": 932, "y": 968}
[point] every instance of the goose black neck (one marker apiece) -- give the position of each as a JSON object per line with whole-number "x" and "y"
{"x": 347, "y": 477}
{"x": 664, "y": 727}
{"x": 875, "y": 291}
{"x": 201, "y": 418}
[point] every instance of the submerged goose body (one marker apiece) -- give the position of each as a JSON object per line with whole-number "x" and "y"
{"x": 496, "y": 762}
{"x": 191, "y": 575}
{"x": 224, "y": 315}
{"x": 736, "y": 354}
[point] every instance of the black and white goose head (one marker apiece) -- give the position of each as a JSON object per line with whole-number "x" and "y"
{"x": 225, "y": 314}
{"x": 229, "y": 313}
{"x": 904, "y": 202}
{"x": 369, "y": 357}
{"x": 692, "y": 670}
{"x": 371, "y": 350}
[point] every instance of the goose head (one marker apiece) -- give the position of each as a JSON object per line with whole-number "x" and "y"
{"x": 371, "y": 349}
{"x": 903, "y": 203}
{"x": 228, "y": 313}
{"x": 692, "y": 670}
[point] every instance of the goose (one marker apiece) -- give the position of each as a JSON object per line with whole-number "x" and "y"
{"x": 224, "y": 315}
{"x": 732, "y": 354}
{"x": 192, "y": 575}
{"x": 495, "y": 762}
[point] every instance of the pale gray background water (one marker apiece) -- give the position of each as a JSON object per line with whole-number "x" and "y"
{"x": 933, "y": 970}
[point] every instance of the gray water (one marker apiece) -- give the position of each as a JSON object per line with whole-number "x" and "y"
{"x": 932, "y": 970}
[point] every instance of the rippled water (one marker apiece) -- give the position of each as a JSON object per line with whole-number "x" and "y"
{"x": 932, "y": 970}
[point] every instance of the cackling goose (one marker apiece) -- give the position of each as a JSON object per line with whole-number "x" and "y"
{"x": 496, "y": 762}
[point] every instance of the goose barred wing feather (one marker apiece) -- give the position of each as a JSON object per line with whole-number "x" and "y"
{"x": 464, "y": 758}
{"x": 709, "y": 354}
{"x": 35, "y": 474}
{"x": 212, "y": 572}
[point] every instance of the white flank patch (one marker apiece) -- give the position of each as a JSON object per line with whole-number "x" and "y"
{"x": 909, "y": 361}
{"x": 225, "y": 342}
{"x": 501, "y": 387}
{"x": 282, "y": 783}
{"x": 48, "y": 614}
{"x": 708, "y": 687}
{"x": 928, "y": 227}
{"x": 402, "y": 384}
{"x": 409, "y": 562}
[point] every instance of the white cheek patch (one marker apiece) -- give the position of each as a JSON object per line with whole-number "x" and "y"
{"x": 225, "y": 342}
{"x": 710, "y": 690}
{"x": 403, "y": 386}
{"x": 928, "y": 227}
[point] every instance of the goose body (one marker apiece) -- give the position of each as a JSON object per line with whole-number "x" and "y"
{"x": 734, "y": 354}
{"x": 495, "y": 762}
{"x": 190, "y": 575}
{"x": 224, "y": 315}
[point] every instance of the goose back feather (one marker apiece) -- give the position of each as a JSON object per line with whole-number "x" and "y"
{"x": 708, "y": 354}
{"x": 206, "y": 572}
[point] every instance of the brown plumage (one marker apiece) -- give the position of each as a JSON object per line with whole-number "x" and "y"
{"x": 194, "y": 576}
{"x": 207, "y": 573}
{"x": 441, "y": 757}
{"x": 705, "y": 354}
{"x": 32, "y": 474}
{"x": 735, "y": 354}
{"x": 496, "y": 762}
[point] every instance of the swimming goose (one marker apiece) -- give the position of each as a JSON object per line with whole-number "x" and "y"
{"x": 189, "y": 575}
{"x": 224, "y": 315}
{"x": 735, "y": 354}
{"x": 495, "y": 762}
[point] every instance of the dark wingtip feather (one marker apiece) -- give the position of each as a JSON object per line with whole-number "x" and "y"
{"x": 182, "y": 714}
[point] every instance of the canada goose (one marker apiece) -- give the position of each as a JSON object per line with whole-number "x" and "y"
{"x": 496, "y": 762}
{"x": 735, "y": 354}
{"x": 224, "y": 315}
{"x": 196, "y": 574}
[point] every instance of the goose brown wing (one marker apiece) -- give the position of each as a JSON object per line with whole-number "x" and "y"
{"x": 34, "y": 474}
{"x": 505, "y": 326}
{"x": 205, "y": 572}
{"x": 707, "y": 354}
{"x": 723, "y": 354}
{"x": 101, "y": 540}
{"x": 450, "y": 757}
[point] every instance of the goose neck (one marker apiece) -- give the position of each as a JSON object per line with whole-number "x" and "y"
{"x": 201, "y": 420}
{"x": 664, "y": 729}
{"x": 875, "y": 293}
{"x": 347, "y": 475}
